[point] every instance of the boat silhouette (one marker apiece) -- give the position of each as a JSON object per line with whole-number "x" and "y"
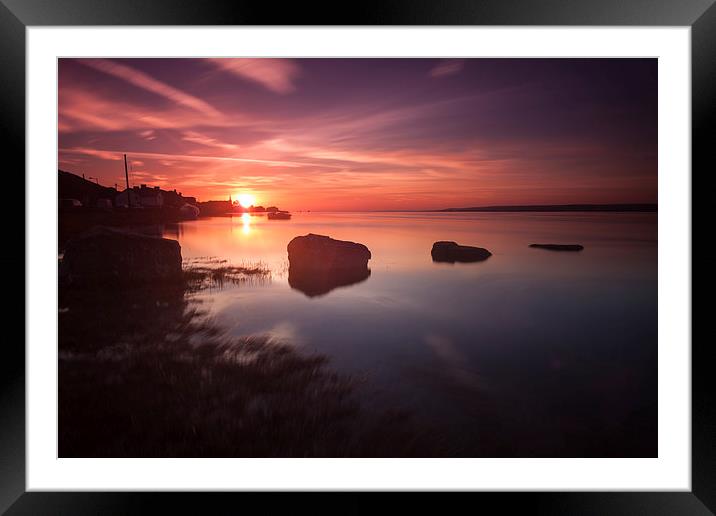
{"x": 279, "y": 215}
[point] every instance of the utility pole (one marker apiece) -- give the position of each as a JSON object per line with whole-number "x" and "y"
{"x": 126, "y": 177}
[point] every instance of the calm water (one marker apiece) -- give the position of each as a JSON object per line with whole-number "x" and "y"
{"x": 531, "y": 352}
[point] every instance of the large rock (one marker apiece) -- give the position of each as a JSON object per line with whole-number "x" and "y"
{"x": 451, "y": 252}
{"x": 322, "y": 252}
{"x": 319, "y": 264}
{"x": 111, "y": 257}
{"x": 558, "y": 247}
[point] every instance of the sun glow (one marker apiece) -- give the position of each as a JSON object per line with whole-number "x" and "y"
{"x": 246, "y": 200}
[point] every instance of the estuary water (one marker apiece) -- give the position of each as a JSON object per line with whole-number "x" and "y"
{"x": 529, "y": 353}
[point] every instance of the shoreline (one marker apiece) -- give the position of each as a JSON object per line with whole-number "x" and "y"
{"x": 613, "y": 208}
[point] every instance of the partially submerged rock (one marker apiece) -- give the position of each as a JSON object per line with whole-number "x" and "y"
{"x": 319, "y": 264}
{"x": 558, "y": 247}
{"x": 322, "y": 252}
{"x": 111, "y": 257}
{"x": 451, "y": 252}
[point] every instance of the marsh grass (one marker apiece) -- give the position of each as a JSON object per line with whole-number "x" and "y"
{"x": 149, "y": 373}
{"x": 211, "y": 272}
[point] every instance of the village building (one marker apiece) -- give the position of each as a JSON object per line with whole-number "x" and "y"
{"x": 126, "y": 199}
{"x": 140, "y": 196}
{"x": 151, "y": 197}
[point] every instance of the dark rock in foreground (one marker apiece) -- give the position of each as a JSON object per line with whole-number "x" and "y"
{"x": 451, "y": 252}
{"x": 322, "y": 252}
{"x": 558, "y": 247}
{"x": 111, "y": 257}
{"x": 318, "y": 264}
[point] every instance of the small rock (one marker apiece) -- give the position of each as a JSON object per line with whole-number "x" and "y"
{"x": 451, "y": 252}
{"x": 558, "y": 247}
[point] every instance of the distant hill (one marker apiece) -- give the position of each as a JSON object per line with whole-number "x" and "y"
{"x": 71, "y": 186}
{"x": 562, "y": 207}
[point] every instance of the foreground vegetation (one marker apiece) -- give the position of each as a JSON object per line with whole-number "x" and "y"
{"x": 147, "y": 373}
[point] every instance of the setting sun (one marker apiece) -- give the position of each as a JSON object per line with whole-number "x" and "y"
{"x": 246, "y": 200}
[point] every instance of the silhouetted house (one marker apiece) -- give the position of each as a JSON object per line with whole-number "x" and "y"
{"x": 127, "y": 198}
{"x": 215, "y": 207}
{"x": 172, "y": 198}
{"x": 72, "y": 186}
{"x": 70, "y": 203}
{"x": 104, "y": 203}
{"x": 151, "y": 197}
{"x": 143, "y": 196}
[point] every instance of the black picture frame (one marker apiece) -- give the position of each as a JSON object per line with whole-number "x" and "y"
{"x": 17, "y": 15}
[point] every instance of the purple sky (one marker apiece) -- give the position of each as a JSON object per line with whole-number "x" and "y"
{"x": 352, "y": 134}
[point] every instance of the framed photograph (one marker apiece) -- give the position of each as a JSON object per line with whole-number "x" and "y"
{"x": 428, "y": 247}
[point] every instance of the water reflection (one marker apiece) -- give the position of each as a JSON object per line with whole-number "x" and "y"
{"x": 318, "y": 282}
{"x": 172, "y": 230}
{"x": 246, "y": 223}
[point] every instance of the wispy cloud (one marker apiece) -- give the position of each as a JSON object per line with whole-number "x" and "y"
{"x": 277, "y": 75}
{"x": 144, "y": 81}
{"x": 202, "y": 139}
{"x": 149, "y": 134}
{"x": 447, "y": 67}
{"x": 115, "y": 155}
{"x": 81, "y": 109}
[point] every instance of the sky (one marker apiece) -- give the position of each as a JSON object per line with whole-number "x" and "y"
{"x": 366, "y": 134}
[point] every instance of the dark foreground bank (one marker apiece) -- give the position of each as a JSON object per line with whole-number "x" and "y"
{"x": 145, "y": 372}
{"x": 528, "y": 353}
